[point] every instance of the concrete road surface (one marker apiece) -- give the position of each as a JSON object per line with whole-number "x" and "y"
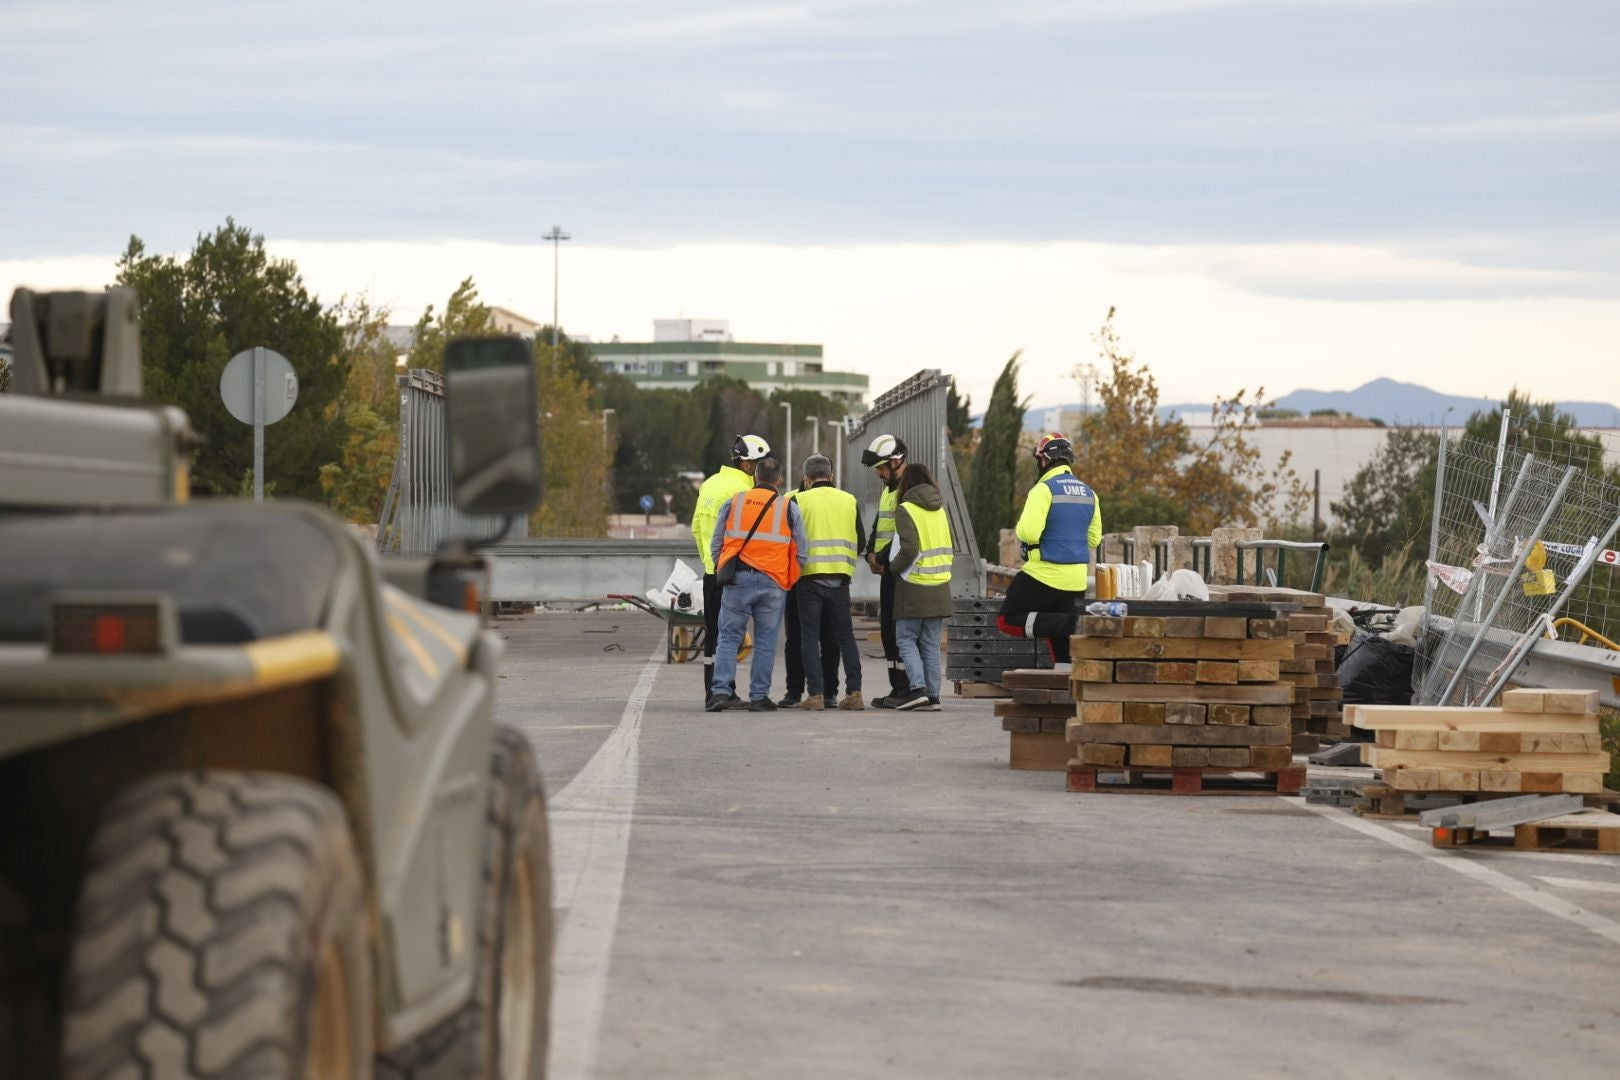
{"x": 876, "y": 894}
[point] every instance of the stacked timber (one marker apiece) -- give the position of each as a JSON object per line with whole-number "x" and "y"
{"x": 1194, "y": 696}
{"x": 1317, "y": 709}
{"x": 1538, "y": 741}
{"x": 977, "y": 652}
{"x": 1037, "y": 718}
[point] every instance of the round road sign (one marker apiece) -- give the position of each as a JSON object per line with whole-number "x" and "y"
{"x": 236, "y": 384}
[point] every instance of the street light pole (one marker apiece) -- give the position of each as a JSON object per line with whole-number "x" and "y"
{"x": 838, "y": 451}
{"x": 815, "y": 434}
{"x": 787, "y": 461}
{"x": 556, "y": 236}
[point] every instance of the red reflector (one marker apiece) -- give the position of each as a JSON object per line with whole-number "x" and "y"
{"x": 110, "y": 633}
{"x": 469, "y": 597}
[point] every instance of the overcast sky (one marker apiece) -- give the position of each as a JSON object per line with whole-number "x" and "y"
{"x": 1299, "y": 193}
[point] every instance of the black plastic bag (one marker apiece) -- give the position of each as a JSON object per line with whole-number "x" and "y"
{"x": 1376, "y": 671}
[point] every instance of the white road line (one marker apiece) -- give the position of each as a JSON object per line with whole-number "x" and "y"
{"x": 590, "y": 842}
{"x": 1552, "y": 905}
{"x": 1579, "y": 883}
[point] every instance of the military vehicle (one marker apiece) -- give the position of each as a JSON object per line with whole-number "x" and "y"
{"x": 258, "y": 818}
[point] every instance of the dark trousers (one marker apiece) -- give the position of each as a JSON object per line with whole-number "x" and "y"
{"x": 711, "y": 628}
{"x": 794, "y": 650}
{"x": 824, "y": 612}
{"x": 898, "y": 681}
{"x": 1056, "y": 613}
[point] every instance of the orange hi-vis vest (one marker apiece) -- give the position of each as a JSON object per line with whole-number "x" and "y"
{"x": 771, "y": 550}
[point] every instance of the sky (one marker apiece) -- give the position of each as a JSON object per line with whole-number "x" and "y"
{"x": 1278, "y": 193}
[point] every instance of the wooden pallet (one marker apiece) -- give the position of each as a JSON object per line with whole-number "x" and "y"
{"x": 981, "y": 690}
{"x": 1207, "y": 780}
{"x": 1594, "y": 831}
{"x": 1379, "y": 800}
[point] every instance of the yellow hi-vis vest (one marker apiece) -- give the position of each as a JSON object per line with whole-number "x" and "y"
{"x": 830, "y": 528}
{"x": 716, "y": 491}
{"x": 883, "y": 534}
{"x": 932, "y": 566}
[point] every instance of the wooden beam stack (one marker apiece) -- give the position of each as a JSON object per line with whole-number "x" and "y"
{"x": 1539, "y": 741}
{"x": 1317, "y": 708}
{"x": 1190, "y": 694}
{"x": 1037, "y": 718}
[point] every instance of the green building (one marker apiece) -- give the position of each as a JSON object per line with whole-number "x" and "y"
{"x": 684, "y": 352}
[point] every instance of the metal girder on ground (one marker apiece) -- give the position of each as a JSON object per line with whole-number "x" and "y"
{"x": 1500, "y": 813}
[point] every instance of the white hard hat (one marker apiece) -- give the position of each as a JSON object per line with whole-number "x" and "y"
{"x": 750, "y": 448}
{"x": 881, "y": 449}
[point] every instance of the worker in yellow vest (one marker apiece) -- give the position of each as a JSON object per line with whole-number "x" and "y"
{"x": 832, "y": 531}
{"x": 746, "y": 454}
{"x": 760, "y": 548}
{"x": 1060, "y": 525}
{"x": 886, "y": 456}
{"x": 921, "y": 566}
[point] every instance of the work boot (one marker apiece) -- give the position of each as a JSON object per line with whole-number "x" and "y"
{"x": 708, "y": 681}
{"x": 911, "y": 699}
{"x": 853, "y": 702}
{"x": 899, "y": 681}
{"x": 787, "y": 701}
{"x": 830, "y": 701}
{"x": 717, "y": 703}
{"x": 932, "y": 705}
{"x": 763, "y": 704}
{"x": 813, "y": 703}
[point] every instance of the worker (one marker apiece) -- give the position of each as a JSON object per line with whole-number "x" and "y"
{"x": 886, "y": 456}
{"x": 920, "y": 563}
{"x": 793, "y": 648}
{"x": 747, "y": 451}
{"x": 1060, "y": 524}
{"x": 763, "y": 537}
{"x": 832, "y": 531}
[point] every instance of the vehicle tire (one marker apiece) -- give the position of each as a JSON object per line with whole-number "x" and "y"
{"x": 504, "y": 1031}
{"x": 221, "y": 933}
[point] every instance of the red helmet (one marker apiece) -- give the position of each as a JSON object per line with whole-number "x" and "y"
{"x": 1055, "y": 446}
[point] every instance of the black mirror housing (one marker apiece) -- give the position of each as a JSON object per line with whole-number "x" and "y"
{"x": 492, "y": 415}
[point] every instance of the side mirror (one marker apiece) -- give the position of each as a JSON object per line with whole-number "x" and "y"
{"x": 493, "y": 418}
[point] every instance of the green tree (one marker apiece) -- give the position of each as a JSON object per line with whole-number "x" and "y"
{"x": 660, "y": 434}
{"x": 576, "y": 450}
{"x": 226, "y": 296}
{"x": 1388, "y": 503}
{"x": 958, "y": 414}
{"x": 463, "y": 316}
{"x": 995, "y": 461}
{"x": 357, "y": 484}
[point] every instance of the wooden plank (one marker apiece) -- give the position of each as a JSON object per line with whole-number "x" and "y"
{"x": 1136, "y": 671}
{"x": 1270, "y": 715}
{"x": 1144, "y": 626}
{"x": 1561, "y": 702}
{"x": 1059, "y": 724}
{"x": 1183, "y": 626}
{"x": 1151, "y": 755}
{"x": 981, "y": 690}
{"x": 1556, "y": 742}
{"x": 1257, "y": 671}
{"x": 1416, "y": 740}
{"x": 1458, "y": 718}
{"x": 1414, "y": 780}
{"x": 1014, "y": 708}
{"x": 1042, "y": 752}
{"x": 1023, "y": 724}
{"x": 1228, "y": 713}
{"x": 1101, "y": 753}
{"x": 1178, "y": 672}
{"x": 1102, "y": 626}
{"x": 1093, "y": 648}
{"x": 1093, "y": 671}
{"x": 1184, "y": 712}
{"x": 1447, "y": 759}
{"x": 1234, "y": 757}
{"x": 1489, "y": 742}
{"x": 1251, "y": 694}
{"x": 1270, "y": 757}
{"x": 1144, "y": 712}
{"x": 1226, "y": 627}
{"x": 1184, "y": 757}
{"x": 1101, "y": 712}
{"x": 1034, "y": 679}
{"x": 1064, "y": 696}
{"x": 1268, "y": 629}
{"x": 1308, "y": 622}
{"x": 1224, "y": 672}
{"x": 1179, "y": 735}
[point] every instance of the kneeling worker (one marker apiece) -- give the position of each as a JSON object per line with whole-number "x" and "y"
{"x": 1060, "y": 524}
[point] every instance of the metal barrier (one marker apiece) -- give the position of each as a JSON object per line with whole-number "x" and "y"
{"x": 915, "y": 413}
{"x": 1278, "y": 573}
{"x": 420, "y": 512}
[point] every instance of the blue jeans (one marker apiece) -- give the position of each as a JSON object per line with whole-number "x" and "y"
{"x": 757, "y": 596}
{"x": 918, "y": 641}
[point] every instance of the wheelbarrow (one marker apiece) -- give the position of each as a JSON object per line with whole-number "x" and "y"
{"x": 684, "y": 629}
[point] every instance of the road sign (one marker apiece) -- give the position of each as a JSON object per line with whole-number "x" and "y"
{"x": 646, "y": 504}
{"x": 258, "y": 387}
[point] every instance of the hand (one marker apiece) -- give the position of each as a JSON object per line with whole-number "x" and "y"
{"x": 872, "y": 563}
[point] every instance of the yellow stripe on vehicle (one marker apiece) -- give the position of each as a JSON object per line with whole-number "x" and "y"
{"x": 404, "y": 606}
{"x": 279, "y": 661}
{"x": 403, "y": 634}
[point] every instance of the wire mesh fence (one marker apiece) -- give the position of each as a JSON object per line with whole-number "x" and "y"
{"x": 1522, "y": 537}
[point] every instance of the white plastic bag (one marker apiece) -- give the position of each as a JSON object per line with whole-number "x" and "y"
{"x": 683, "y": 591}
{"x": 1178, "y": 585}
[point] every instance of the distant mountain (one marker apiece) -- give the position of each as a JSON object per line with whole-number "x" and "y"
{"x": 1387, "y": 400}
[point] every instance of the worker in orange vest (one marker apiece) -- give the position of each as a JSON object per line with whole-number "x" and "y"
{"x": 758, "y": 556}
